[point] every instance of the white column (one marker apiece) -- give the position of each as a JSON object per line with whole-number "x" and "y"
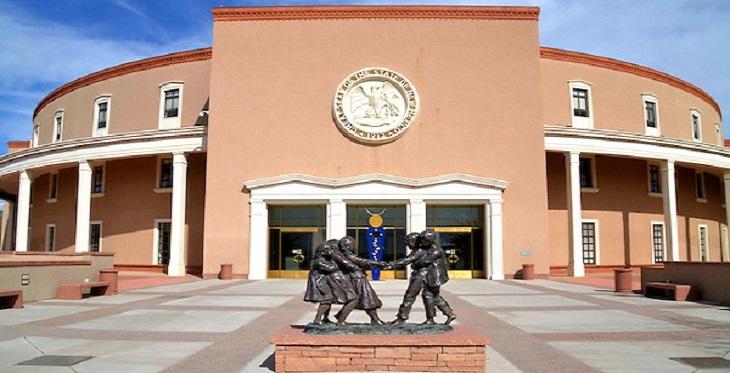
{"x": 23, "y": 213}
{"x": 336, "y": 219}
{"x": 575, "y": 239}
{"x": 496, "y": 256}
{"x": 669, "y": 195}
{"x": 83, "y": 207}
{"x": 176, "y": 267}
{"x": 259, "y": 229}
{"x": 416, "y": 216}
{"x": 726, "y": 247}
{"x": 7, "y": 226}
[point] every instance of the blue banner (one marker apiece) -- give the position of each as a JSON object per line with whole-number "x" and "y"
{"x": 376, "y": 239}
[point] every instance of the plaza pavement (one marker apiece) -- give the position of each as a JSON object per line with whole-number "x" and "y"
{"x": 213, "y": 325}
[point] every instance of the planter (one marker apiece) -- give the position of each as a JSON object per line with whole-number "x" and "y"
{"x": 622, "y": 279}
{"x": 226, "y": 272}
{"x": 528, "y": 271}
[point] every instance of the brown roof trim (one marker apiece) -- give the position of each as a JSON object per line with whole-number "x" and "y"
{"x": 18, "y": 144}
{"x": 518, "y": 13}
{"x": 627, "y": 67}
{"x": 125, "y": 68}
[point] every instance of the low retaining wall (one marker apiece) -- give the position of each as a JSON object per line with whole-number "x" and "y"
{"x": 45, "y": 271}
{"x": 460, "y": 350}
{"x": 710, "y": 279}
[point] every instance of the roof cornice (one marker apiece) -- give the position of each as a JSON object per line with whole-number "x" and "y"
{"x": 125, "y": 68}
{"x": 627, "y": 67}
{"x": 516, "y": 13}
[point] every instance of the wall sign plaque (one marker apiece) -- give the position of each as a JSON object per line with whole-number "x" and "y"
{"x": 375, "y": 105}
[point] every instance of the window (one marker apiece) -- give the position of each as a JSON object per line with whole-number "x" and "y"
{"x": 162, "y": 241}
{"x": 655, "y": 180}
{"x": 587, "y": 172}
{"x": 164, "y": 180}
{"x": 102, "y": 111}
{"x": 657, "y": 242}
{"x": 696, "y": 122}
{"x": 171, "y": 100}
{"x": 651, "y": 114}
{"x": 581, "y": 104}
{"x": 718, "y": 135}
{"x": 95, "y": 236}
{"x": 53, "y": 187}
{"x": 97, "y": 179}
{"x": 700, "y": 186}
{"x": 590, "y": 242}
{"x": 58, "y": 127}
{"x": 36, "y": 132}
{"x": 50, "y": 237}
{"x": 702, "y": 240}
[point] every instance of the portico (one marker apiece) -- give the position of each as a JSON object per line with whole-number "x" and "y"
{"x": 336, "y": 194}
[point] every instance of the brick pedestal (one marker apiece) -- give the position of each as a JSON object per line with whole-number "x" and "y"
{"x": 460, "y": 350}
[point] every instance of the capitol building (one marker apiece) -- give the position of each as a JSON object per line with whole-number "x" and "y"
{"x": 301, "y": 124}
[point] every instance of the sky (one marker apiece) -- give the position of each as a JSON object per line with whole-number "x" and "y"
{"x": 47, "y": 43}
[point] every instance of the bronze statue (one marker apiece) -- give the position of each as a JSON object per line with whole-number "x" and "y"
{"x": 327, "y": 283}
{"x": 429, "y": 272}
{"x": 367, "y": 298}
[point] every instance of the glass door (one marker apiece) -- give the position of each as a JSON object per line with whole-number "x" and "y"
{"x": 294, "y": 233}
{"x": 461, "y": 234}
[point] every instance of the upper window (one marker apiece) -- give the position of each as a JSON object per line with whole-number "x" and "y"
{"x": 700, "y": 186}
{"x": 95, "y": 236}
{"x": 53, "y": 187}
{"x": 655, "y": 181}
{"x": 36, "y": 132}
{"x": 696, "y": 122}
{"x": 57, "y": 127}
{"x": 581, "y": 104}
{"x": 171, "y": 99}
{"x": 102, "y": 110}
{"x": 651, "y": 114}
{"x": 97, "y": 179}
{"x": 587, "y": 172}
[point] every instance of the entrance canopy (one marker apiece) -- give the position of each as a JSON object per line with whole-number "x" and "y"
{"x": 449, "y": 189}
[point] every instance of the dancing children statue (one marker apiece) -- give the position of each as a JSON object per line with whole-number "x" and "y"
{"x": 327, "y": 284}
{"x": 367, "y": 298}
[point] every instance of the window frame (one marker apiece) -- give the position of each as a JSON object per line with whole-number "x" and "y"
{"x": 171, "y": 122}
{"x": 597, "y": 242}
{"x": 35, "y": 136}
{"x": 156, "y": 238}
{"x": 651, "y": 240}
{"x": 95, "y": 130}
{"x": 50, "y": 246}
{"x": 101, "y": 234}
{"x": 580, "y": 121}
{"x": 700, "y": 188}
{"x": 594, "y": 178}
{"x": 57, "y": 134}
{"x": 656, "y": 130}
{"x": 692, "y": 114}
{"x": 707, "y": 242}
{"x": 158, "y": 188}
{"x": 51, "y": 187}
{"x": 103, "y": 179}
{"x": 658, "y": 166}
{"x": 718, "y": 134}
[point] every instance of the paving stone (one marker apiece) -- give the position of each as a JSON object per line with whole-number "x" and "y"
{"x": 586, "y": 321}
{"x": 564, "y": 286}
{"x": 640, "y": 300}
{"x": 716, "y": 314}
{"x": 484, "y": 287}
{"x": 116, "y": 299}
{"x": 55, "y": 360}
{"x": 526, "y": 301}
{"x": 651, "y": 356}
{"x": 38, "y": 311}
{"x": 171, "y": 321}
{"x": 230, "y": 301}
{"x": 268, "y": 287}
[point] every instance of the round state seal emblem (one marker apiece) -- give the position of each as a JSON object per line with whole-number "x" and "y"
{"x": 375, "y": 105}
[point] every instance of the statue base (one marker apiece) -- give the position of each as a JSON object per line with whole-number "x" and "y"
{"x": 461, "y": 349}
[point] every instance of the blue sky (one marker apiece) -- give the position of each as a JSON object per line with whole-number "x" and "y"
{"x": 47, "y": 43}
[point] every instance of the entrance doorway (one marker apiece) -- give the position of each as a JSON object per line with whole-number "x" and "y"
{"x": 461, "y": 234}
{"x": 294, "y": 233}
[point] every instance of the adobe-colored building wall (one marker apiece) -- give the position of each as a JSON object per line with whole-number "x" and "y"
{"x": 710, "y": 279}
{"x": 617, "y": 101}
{"x": 625, "y": 210}
{"x": 127, "y": 210}
{"x": 471, "y": 76}
{"x": 135, "y": 101}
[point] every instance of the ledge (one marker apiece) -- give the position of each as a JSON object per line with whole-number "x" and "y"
{"x": 462, "y": 335}
{"x": 517, "y": 13}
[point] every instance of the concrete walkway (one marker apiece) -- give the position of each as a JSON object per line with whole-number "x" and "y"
{"x": 213, "y": 325}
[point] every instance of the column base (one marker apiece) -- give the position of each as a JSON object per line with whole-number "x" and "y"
{"x": 176, "y": 270}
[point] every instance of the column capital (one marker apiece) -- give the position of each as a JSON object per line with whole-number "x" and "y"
{"x": 84, "y": 166}
{"x": 726, "y": 176}
{"x": 179, "y": 159}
